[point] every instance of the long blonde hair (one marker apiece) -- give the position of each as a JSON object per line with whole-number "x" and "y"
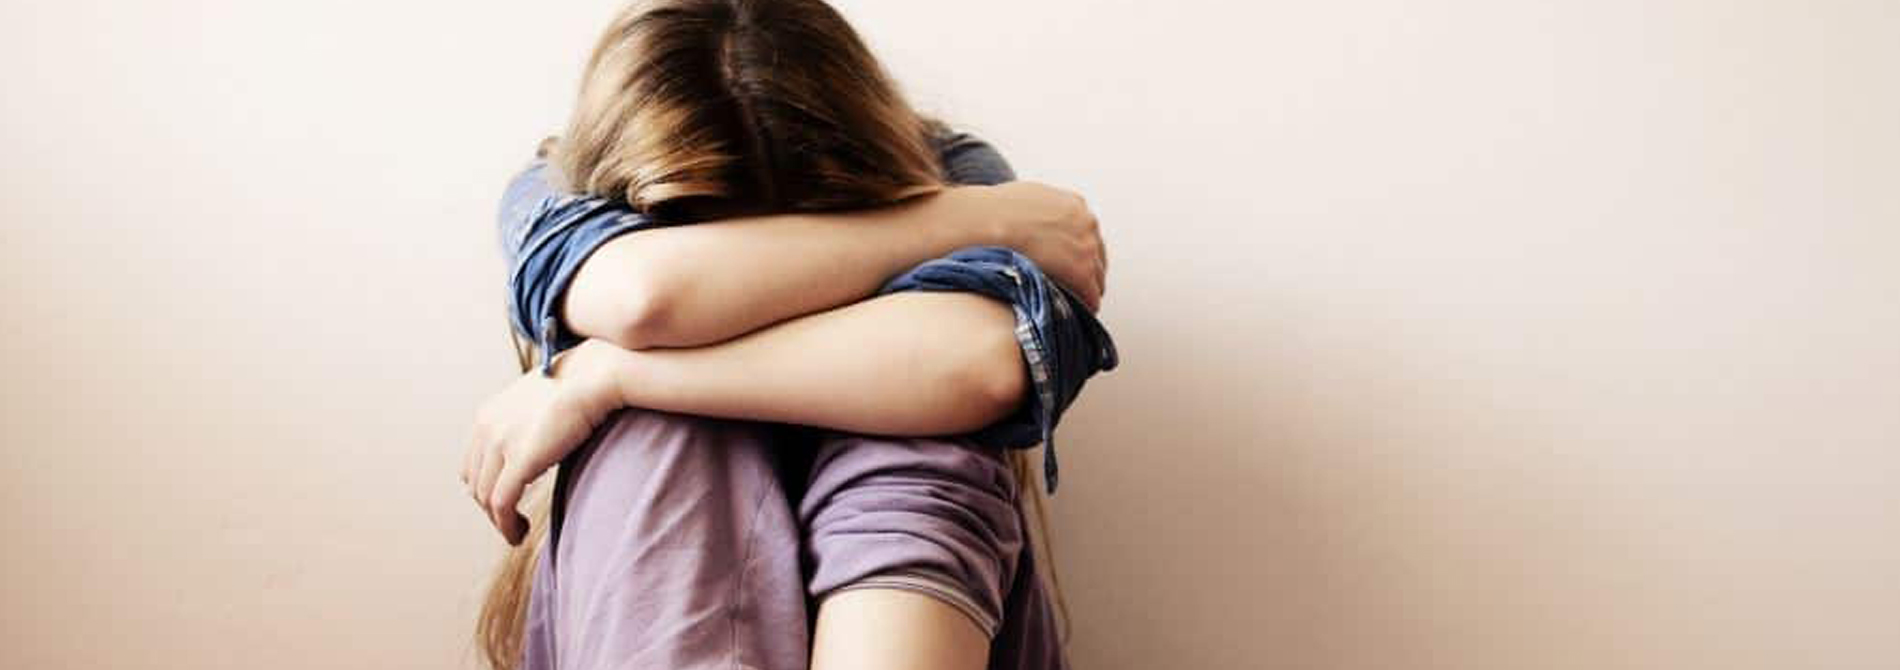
{"x": 697, "y": 108}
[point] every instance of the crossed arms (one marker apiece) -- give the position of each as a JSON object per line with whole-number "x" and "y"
{"x": 773, "y": 318}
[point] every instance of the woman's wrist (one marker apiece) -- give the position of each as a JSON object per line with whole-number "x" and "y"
{"x": 972, "y": 216}
{"x": 598, "y": 374}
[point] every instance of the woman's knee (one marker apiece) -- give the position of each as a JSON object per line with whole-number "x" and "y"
{"x": 651, "y": 481}
{"x": 934, "y": 516}
{"x": 644, "y": 458}
{"x": 677, "y": 547}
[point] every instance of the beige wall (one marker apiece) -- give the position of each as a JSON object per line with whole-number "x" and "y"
{"x": 1457, "y": 335}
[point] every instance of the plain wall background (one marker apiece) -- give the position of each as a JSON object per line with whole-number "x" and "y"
{"x": 1470, "y": 334}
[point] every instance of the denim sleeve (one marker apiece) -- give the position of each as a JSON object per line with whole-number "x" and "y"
{"x": 1062, "y": 346}
{"x": 969, "y": 160}
{"x": 546, "y": 234}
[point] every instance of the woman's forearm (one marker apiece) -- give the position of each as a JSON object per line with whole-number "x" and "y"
{"x": 689, "y": 286}
{"x": 909, "y": 364}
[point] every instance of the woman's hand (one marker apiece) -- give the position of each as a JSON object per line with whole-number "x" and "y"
{"x": 1055, "y": 228}
{"x": 531, "y": 425}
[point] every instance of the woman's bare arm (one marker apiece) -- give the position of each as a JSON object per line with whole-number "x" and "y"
{"x": 913, "y": 363}
{"x": 688, "y": 286}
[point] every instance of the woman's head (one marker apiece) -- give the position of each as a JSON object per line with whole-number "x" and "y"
{"x": 699, "y": 108}
{"x": 741, "y": 105}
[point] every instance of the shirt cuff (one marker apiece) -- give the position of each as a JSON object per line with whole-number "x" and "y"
{"x": 559, "y": 233}
{"x": 1062, "y": 346}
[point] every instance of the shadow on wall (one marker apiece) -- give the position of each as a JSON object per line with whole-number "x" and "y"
{"x": 1326, "y": 509}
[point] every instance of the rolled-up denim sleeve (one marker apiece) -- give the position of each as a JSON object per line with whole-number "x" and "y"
{"x": 1063, "y": 346}
{"x": 546, "y": 234}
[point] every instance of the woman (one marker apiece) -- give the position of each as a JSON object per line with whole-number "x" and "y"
{"x": 694, "y": 530}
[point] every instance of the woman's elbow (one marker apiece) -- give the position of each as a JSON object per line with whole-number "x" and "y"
{"x": 630, "y": 314}
{"x": 995, "y": 381}
{"x": 642, "y": 324}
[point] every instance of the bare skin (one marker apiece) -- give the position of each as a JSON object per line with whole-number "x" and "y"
{"x": 767, "y": 318}
{"x": 892, "y": 629}
{"x": 693, "y": 285}
{"x": 910, "y": 364}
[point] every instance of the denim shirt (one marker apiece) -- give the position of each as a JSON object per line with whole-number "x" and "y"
{"x": 546, "y": 234}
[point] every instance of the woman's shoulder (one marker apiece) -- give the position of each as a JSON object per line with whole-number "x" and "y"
{"x": 537, "y": 201}
{"x": 968, "y": 158}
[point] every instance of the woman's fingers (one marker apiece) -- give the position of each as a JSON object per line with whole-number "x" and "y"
{"x": 1101, "y": 265}
{"x": 501, "y": 505}
{"x": 492, "y": 464}
{"x": 1101, "y": 282}
{"x": 478, "y": 453}
{"x": 532, "y": 456}
{"x": 1091, "y": 292}
{"x": 473, "y": 450}
{"x": 496, "y": 483}
{"x": 1102, "y": 251}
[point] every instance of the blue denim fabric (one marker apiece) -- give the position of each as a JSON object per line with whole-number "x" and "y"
{"x": 1062, "y": 345}
{"x": 547, "y": 233}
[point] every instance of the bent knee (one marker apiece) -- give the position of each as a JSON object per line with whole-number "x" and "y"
{"x": 648, "y": 476}
{"x": 637, "y": 446}
{"x": 934, "y": 516}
